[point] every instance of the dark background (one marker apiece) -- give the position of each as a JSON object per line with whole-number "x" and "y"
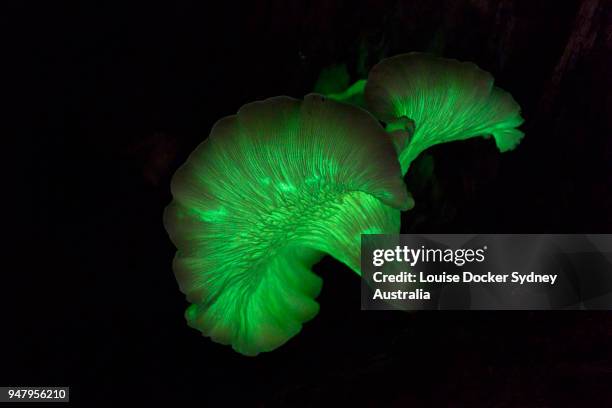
{"x": 119, "y": 95}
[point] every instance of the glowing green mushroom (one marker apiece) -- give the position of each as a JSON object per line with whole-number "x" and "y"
{"x": 447, "y": 100}
{"x": 353, "y": 94}
{"x": 272, "y": 190}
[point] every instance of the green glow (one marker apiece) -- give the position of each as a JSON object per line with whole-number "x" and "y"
{"x": 283, "y": 182}
{"x": 354, "y": 94}
{"x": 447, "y": 100}
{"x": 333, "y": 82}
{"x": 332, "y": 79}
{"x": 272, "y": 190}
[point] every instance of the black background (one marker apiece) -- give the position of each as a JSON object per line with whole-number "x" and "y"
{"x": 119, "y": 95}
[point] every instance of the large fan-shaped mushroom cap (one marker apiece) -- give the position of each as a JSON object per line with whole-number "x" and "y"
{"x": 272, "y": 190}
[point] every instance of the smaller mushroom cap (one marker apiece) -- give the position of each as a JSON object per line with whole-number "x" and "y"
{"x": 447, "y": 100}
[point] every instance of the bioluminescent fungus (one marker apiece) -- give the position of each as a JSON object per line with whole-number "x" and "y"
{"x": 354, "y": 94}
{"x": 271, "y": 191}
{"x": 447, "y": 100}
{"x": 333, "y": 82}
